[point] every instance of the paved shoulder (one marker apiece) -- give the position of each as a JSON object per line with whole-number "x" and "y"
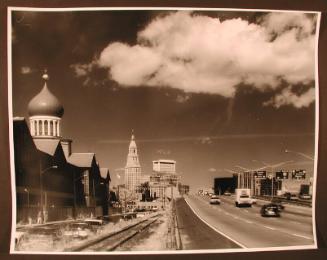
{"x": 195, "y": 234}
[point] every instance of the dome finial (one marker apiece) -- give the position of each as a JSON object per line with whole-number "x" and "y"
{"x": 133, "y": 134}
{"x": 45, "y": 75}
{"x": 45, "y": 103}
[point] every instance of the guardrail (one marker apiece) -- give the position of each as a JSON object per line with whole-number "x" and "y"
{"x": 306, "y": 203}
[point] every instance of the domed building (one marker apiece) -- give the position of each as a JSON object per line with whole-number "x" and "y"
{"x": 51, "y": 180}
{"x": 45, "y": 113}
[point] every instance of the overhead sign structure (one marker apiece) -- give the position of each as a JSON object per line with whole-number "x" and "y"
{"x": 298, "y": 174}
{"x": 260, "y": 174}
{"x": 282, "y": 175}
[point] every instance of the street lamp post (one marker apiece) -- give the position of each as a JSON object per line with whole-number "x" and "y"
{"x": 301, "y": 154}
{"x": 41, "y": 187}
{"x": 118, "y": 186}
{"x": 75, "y": 179}
{"x": 28, "y": 197}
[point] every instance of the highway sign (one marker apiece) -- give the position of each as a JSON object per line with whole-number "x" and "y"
{"x": 298, "y": 174}
{"x": 260, "y": 174}
{"x": 282, "y": 175}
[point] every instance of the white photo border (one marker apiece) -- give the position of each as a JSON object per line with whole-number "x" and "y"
{"x": 206, "y": 251}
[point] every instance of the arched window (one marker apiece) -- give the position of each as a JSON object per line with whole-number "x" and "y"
{"x": 40, "y": 127}
{"x": 51, "y": 128}
{"x": 35, "y": 128}
{"x": 46, "y": 127}
{"x": 55, "y": 127}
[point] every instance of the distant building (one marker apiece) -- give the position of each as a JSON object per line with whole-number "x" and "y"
{"x": 133, "y": 167}
{"x": 183, "y": 189}
{"x": 164, "y": 166}
{"x": 223, "y": 184}
{"x": 270, "y": 186}
{"x": 144, "y": 178}
{"x": 163, "y": 176}
{"x": 279, "y": 182}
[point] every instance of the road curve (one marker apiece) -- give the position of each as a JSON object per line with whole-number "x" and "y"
{"x": 246, "y": 226}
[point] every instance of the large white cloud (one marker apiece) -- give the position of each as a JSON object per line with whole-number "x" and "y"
{"x": 197, "y": 53}
{"x": 287, "y": 97}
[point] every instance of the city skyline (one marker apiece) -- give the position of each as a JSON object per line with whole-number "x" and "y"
{"x": 254, "y": 117}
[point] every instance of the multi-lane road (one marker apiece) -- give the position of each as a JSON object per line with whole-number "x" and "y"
{"x": 205, "y": 226}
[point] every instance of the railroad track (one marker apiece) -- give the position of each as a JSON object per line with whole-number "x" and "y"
{"x": 109, "y": 242}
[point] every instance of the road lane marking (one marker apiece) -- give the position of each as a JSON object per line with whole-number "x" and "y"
{"x": 271, "y": 228}
{"x": 297, "y": 235}
{"x": 215, "y": 229}
{"x": 296, "y": 222}
{"x": 246, "y": 210}
{"x": 248, "y": 221}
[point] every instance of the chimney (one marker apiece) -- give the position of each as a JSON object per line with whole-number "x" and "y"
{"x": 66, "y": 146}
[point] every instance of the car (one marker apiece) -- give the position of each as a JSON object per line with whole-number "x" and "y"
{"x": 290, "y": 196}
{"x": 95, "y": 224}
{"x": 46, "y": 236}
{"x": 19, "y": 237}
{"x": 94, "y": 221}
{"x": 105, "y": 219}
{"x": 52, "y": 232}
{"x": 155, "y": 208}
{"x": 214, "y": 199}
{"x": 80, "y": 230}
{"x": 254, "y": 201}
{"x": 294, "y": 197}
{"x": 269, "y": 210}
{"x": 227, "y": 193}
{"x": 305, "y": 196}
{"x": 278, "y": 203}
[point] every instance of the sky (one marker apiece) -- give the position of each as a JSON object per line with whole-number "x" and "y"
{"x": 209, "y": 89}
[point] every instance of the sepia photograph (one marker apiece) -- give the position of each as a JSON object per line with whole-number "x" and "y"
{"x": 162, "y": 130}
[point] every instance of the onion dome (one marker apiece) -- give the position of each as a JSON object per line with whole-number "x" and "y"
{"x": 45, "y": 103}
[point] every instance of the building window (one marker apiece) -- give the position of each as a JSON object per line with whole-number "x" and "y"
{"x": 46, "y": 127}
{"x": 51, "y": 128}
{"x": 35, "y": 128}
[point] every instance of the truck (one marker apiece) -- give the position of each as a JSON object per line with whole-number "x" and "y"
{"x": 243, "y": 197}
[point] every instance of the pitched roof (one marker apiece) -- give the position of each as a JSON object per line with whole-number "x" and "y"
{"x": 18, "y": 118}
{"x": 104, "y": 172}
{"x": 81, "y": 159}
{"x": 48, "y": 146}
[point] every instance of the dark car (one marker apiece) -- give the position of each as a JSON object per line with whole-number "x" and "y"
{"x": 278, "y": 203}
{"x": 290, "y": 196}
{"x": 269, "y": 210}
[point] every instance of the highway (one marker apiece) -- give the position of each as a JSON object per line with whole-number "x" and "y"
{"x": 243, "y": 227}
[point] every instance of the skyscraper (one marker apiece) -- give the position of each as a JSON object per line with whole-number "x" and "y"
{"x": 133, "y": 167}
